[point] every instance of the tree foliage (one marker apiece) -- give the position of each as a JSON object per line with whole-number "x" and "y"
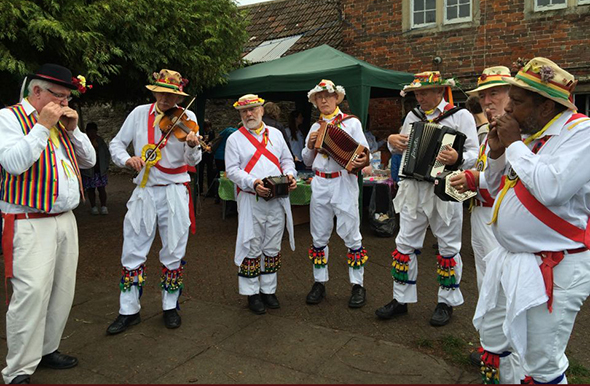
{"x": 118, "y": 44}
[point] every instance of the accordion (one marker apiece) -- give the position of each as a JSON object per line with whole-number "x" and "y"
{"x": 279, "y": 186}
{"x": 425, "y": 141}
{"x": 339, "y": 145}
{"x": 444, "y": 190}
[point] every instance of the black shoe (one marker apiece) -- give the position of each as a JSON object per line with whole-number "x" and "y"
{"x": 20, "y": 379}
{"x": 358, "y": 297}
{"x": 442, "y": 315}
{"x": 172, "y": 319}
{"x": 270, "y": 300}
{"x": 59, "y": 361}
{"x": 122, "y": 323}
{"x": 256, "y": 305}
{"x": 391, "y": 309}
{"x": 317, "y": 293}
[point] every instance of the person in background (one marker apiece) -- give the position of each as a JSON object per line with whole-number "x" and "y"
{"x": 473, "y": 105}
{"x": 208, "y": 134}
{"x": 296, "y": 137}
{"x": 272, "y": 117}
{"x": 97, "y": 178}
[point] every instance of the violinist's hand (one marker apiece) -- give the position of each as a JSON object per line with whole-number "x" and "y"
{"x": 135, "y": 163}
{"x": 312, "y": 138}
{"x": 69, "y": 118}
{"x": 448, "y": 156}
{"x": 292, "y": 182}
{"x": 50, "y": 114}
{"x": 398, "y": 141}
{"x": 192, "y": 139}
{"x": 260, "y": 189}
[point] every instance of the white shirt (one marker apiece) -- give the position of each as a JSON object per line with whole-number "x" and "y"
{"x": 18, "y": 152}
{"x": 239, "y": 150}
{"x": 175, "y": 154}
{"x": 558, "y": 176}
{"x": 461, "y": 121}
{"x": 322, "y": 162}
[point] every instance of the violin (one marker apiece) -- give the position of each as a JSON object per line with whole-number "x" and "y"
{"x": 181, "y": 125}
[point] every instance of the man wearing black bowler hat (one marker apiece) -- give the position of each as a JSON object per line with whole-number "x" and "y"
{"x": 41, "y": 153}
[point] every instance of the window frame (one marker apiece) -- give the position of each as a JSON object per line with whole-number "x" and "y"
{"x": 536, "y": 8}
{"x": 583, "y": 2}
{"x": 458, "y": 19}
{"x": 424, "y": 25}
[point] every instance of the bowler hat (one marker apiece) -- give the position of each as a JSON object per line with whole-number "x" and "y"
{"x": 55, "y": 73}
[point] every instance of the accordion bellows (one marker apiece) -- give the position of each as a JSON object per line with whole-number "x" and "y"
{"x": 338, "y": 144}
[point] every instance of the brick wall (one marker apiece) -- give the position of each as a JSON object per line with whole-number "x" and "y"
{"x": 501, "y": 32}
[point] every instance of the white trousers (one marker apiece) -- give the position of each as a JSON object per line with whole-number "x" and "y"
{"x": 483, "y": 240}
{"x": 547, "y": 333}
{"x": 45, "y": 258}
{"x": 322, "y": 213}
{"x": 269, "y": 226}
{"x": 137, "y": 244}
{"x": 411, "y": 238}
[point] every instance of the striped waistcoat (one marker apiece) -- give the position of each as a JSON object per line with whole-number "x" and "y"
{"x": 38, "y": 186}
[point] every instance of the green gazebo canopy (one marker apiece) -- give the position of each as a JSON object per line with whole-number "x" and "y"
{"x": 289, "y": 78}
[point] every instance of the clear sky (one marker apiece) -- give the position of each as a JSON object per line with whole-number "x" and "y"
{"x": 246, "y": 2}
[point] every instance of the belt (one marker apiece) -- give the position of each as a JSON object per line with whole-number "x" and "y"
{"x": 328, "y": 175}
{"x": 8, "y": 239}
{"x": 549, "y": 261}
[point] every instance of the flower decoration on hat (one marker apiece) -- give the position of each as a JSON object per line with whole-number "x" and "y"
{"x": 249, "y": 100}
{"x": 428, "y": 79}
{"x": 80, "y": 83}
{"x": 329, "y": 86}
{"x": 168, "y": 81}
{"x": 547, "y": 73}
{"x": 519, "y": 63}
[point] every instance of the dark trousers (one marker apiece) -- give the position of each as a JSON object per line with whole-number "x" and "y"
{"x": 206, "y": 163}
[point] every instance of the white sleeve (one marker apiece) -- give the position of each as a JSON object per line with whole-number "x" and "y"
{"x": 85, "y": 153}
{"x": 470, "y": 149}
{"x": 119, "y": 144}
{"x": 192, "y": 155}
{"x": 307, "y": 153}
{"x": 18, "y": 152}
{"x": 554, "y": 178}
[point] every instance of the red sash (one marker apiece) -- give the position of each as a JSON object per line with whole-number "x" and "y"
{"x": 549, "y": 218}
{"x": 260, "y": 150}
{"x": 178, "y": 170}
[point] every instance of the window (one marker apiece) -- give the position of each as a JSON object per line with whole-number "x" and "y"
{"x": 435, "y": 13}
{"x": 544, "y": 5}
{"x": 457, "y": 11}
{"x": 583, "y": 2}
{"x": 423, "y": 13}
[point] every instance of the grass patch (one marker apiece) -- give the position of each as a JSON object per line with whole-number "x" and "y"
{"x": 425, "y": 343}
{"x": 455, "y": 348}
{"x": 577, "y": 373}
